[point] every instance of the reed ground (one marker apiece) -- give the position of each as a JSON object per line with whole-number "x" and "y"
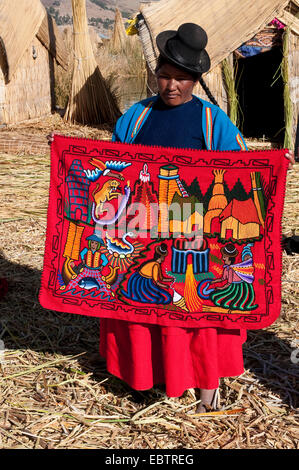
{"x": 55, "y": 391}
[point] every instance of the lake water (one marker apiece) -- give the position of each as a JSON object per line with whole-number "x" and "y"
{"x": 130, "y": 91}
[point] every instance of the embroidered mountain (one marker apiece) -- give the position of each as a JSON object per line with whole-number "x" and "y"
{"x": 144, "y": 194}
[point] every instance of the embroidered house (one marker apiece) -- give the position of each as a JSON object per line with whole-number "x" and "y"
{"x": 78, "y": 186}
{"x": 239, "y": 220}
{"x": 185, "y": 216}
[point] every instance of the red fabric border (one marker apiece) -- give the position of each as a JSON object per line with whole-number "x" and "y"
{"x": 270, "y": 164}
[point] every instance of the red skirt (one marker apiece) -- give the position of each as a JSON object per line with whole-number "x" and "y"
{"x": 181, "y": 358}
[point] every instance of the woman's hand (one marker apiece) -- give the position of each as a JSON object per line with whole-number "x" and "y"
{"x": 50, "y": 138}
{"x": 291, "y": 158}
{"x": 221, "y": 288}
{"x": 163, "y": 286}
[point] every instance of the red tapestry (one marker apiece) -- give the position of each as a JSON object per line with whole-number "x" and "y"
{"x": 166, "y": 236}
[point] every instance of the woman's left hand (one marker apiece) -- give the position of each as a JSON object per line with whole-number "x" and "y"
{"x": 291, "y": 158}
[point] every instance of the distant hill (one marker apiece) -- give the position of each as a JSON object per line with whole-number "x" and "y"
{"x": 100, "y": 13}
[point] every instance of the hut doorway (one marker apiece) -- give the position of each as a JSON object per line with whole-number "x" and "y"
{"x": 260, "y": 90}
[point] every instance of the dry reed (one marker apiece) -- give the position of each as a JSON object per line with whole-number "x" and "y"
{"x": 129, "y": 62}
{"x": 55, "y": 391}
{"x": 91, "y": 101}
{"x": 288, "y": 106}
{"x": 115, "y": 66}
{"x": 230, "y": 83}
{"x": 119, "y": 37}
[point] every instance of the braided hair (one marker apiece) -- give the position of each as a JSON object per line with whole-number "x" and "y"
{"x": 196, "y": 76}
{"x": 207, "y": 90}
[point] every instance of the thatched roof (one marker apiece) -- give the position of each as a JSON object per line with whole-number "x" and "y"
{"x": 50, "y": 36}
{"x": 228, "y": 23}
{"x": 290, "y": 17}
{"x": 20, "y": 22}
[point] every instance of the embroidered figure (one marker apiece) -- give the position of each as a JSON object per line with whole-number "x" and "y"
{"x": 146, "y": 284}
{"x": 238, "y": 291}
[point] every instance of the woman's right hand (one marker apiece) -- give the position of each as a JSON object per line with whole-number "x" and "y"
{"x": 50, "y": 138}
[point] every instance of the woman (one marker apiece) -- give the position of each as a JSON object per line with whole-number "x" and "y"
{"x": 182, "y": 358}
{"x": 237, "y": 293}
{"x": 146, "y": 284}
{"x": 175, "y": 117}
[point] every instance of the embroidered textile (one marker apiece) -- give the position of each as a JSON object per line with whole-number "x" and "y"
{"x": 165, "y": 236}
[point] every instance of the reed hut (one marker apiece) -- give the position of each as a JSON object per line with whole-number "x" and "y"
{"x": 29, "y": 43}
{"x": 263, "y": 86}
{"x": 119, "y": 36}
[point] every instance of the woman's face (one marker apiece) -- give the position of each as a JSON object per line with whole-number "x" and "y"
{"x": 175, "y": 86}
{"x": 226, "y": 259}
{"x": 93, "y": 245}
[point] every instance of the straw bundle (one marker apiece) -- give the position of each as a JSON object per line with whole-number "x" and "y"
{"x": 227, "y": 24}
{"x": 293, "y": 71}
{"x": 119, "y": 37}
{"x": 90, "y": 102}
{"x": 230, "y": 82}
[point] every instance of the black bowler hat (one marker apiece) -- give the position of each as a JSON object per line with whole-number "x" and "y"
{"x": 185, "y": 47}
{"x": 161, "y": 249}
{"x": 229, "y": 250}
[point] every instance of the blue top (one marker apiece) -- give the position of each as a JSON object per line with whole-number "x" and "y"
{"x": 218, "y": 131}
{"x": 173, "y": 126}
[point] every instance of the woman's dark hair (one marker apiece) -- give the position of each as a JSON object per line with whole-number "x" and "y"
{"x": 161, "y": 252}
{"x": 207, "y": 91}
{"x": 196, "y": 76}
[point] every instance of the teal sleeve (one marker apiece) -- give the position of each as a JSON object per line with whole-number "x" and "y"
{"x": 83, "y": 253}
{"x": 123, "y": 130}
{"x": 104, "y": 259}
{"x": 226, "y": 136}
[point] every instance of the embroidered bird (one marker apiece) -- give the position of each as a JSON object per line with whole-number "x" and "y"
{"x": 110, "y": 168}
{"x": 120, "y": 248}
